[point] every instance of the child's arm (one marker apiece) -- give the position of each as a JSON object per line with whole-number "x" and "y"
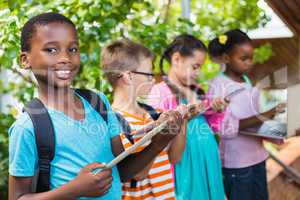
{"x": 85, "y": 184}
{"x": 258, "y": 120}
{"x": 136, "y": 162}
{"x": 216, "y": 114}
{"x": 255, "y": 120}
{"x": 162, "y": 98}
{"x": 20, "y": 188}
{"x": 23, "y": 159}
{"x": 144, "y": 173}
{"x": 178, "y": 145}
{"x": 119, "y": 149}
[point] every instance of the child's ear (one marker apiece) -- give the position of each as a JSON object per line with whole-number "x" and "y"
{"x": 24, "y": 60}
{"x": 126, "y": 77}
{"x": 176, "y": 58}
{"x": 225, "y": 58}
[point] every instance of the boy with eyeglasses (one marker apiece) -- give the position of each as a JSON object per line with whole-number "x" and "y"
{"x": 127, "y": 66}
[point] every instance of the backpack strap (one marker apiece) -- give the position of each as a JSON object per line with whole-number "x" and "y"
{"x": 44, "y": 133}
{"x": 150, "y": 110}
{"x": 127, "y": 130}
{"x": 125, "y": 127}
{"x": 95, "y": 101}
{"x": 45, "y": 141}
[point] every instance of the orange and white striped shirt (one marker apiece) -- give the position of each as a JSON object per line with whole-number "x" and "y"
{"x": 159, "y": 183}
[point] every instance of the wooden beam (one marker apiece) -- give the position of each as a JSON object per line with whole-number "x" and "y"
{"x": 293, "y": 6}
{"x": 287, "y": 15}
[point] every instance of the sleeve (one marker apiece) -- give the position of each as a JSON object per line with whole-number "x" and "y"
{"x": 22, "y": 151}
{"x": 162, "y": 99}
{"x": 214, "y": 119}
{"x": 114, "y": 126}
{"x": 241, "y": 106}
{"x": 125, "y": 142}
{"x": 248, "y": 100}
{"x": 225, "y": 124}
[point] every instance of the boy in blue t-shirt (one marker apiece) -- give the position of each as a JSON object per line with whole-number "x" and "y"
{"x": 83, "y": 140}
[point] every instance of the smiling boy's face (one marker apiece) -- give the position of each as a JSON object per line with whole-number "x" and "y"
{"x": 54, "y": 55}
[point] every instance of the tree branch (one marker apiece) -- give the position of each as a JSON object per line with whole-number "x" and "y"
{"x": 165, "y": 11}
{"x": 25, "y": 78}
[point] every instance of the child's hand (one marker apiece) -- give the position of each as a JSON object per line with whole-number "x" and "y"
{"x": 87, "y": 184}
{"x": 174, "y": 122}
{"x": 280, "y": 108}
{"x": 219, "y": 104}
{"x": 183, "y": 110}
{"x": 191, "y": 110}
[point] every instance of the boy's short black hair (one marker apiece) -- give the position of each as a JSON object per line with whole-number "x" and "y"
{"x": 43, "y": 19}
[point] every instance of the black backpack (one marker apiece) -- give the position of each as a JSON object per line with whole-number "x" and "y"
{"x": 127, "y": 130}
{"x": 44, "y": 133}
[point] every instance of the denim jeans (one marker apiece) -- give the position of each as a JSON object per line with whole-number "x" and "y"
{"x": 249, "y": 183}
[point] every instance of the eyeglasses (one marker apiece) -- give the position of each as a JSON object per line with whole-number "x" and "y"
{"x": 150, "y": 76}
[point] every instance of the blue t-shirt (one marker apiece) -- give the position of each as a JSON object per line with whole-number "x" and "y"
{"x": 77, "y": 143}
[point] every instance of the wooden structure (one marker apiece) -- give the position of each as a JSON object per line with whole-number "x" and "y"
{"x": 288, "y": 11}
{"x": 283, "y": 71}
{"x": 281, "y": 185}
{"x": 286, "y": 51}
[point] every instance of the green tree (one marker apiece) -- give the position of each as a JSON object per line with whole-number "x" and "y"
{"x": 152, "y": 23}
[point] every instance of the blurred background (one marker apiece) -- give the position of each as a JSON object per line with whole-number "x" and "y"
{"x": 274, "y": 26}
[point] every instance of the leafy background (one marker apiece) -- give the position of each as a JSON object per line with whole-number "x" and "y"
{"x": 153, "y": 23}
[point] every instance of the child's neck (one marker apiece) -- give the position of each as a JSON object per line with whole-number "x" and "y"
{"x": 61, "y": 99}
{"x": 233, "y": 75}
{"x": 191, "y": 96}
{"x": 123, "y": 102}
{"x": 173, "y": 78}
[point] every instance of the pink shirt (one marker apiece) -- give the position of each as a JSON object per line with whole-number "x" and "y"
{"x": 161, "y": 97}
{"x": 237, "y": 151}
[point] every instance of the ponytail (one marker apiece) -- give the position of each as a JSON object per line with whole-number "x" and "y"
{"x": 215, "y": 48}
{"x": 161, "y": 64}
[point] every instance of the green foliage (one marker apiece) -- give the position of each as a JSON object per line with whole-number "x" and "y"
{"x": 221, "y": 15}
{"x": 262, "y": 53}
{"x": 5, "y": 122}
{"x": 101, "y": 21}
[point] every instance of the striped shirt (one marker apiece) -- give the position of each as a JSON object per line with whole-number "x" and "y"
{"x": 159, "y": 182}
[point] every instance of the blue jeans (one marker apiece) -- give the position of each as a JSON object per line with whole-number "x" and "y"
{"x": 249, "y": 183}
